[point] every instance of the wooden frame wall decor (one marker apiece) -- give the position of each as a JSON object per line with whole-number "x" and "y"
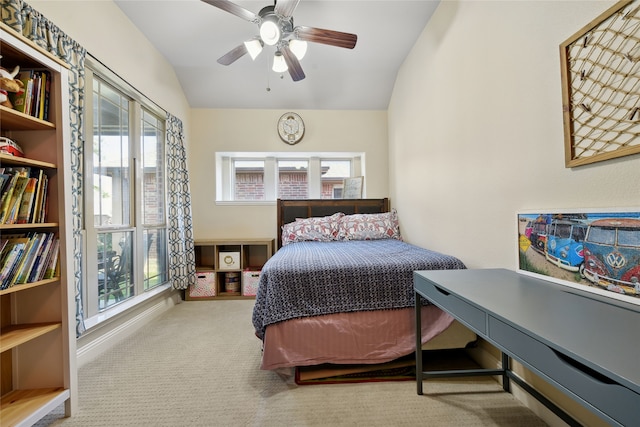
{"x": 600, "y": 67}
{"x": 597, "y": 251}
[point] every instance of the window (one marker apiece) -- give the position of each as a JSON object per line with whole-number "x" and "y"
{"x": 249, "y": 180}
{"x": 333, "y": 174}
{"x": 153, "y": 197}
{"x": 293, "y": 182}
{"x": 263, "y": 177}
{"x": 125, "y": 241}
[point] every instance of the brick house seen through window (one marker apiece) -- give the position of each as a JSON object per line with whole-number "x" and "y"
{"x": 293, "y": 183}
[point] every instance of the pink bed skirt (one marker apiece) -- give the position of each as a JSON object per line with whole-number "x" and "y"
{"x": 349, "y": 338}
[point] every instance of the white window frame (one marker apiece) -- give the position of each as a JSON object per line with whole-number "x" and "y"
{"x": 225, "y": 173}
{"x": 93, "y": 316}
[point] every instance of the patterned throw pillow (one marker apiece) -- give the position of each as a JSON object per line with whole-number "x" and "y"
{"x": 370, "y": 226}
{"x": 319, "y": 229}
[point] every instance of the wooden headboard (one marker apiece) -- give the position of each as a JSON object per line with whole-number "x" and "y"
{"x": 289, "y": 210}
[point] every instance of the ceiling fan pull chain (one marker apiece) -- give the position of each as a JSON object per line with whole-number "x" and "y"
{"x": 268, "y": 87}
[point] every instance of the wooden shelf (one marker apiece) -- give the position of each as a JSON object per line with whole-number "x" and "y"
{"x": 7, "y": 159}
{"x": 37, "y": 321}
{"x": 25, "y": 286}
{"x": 19, "y": 406}
{"x": 15, "y": 120}
{"x": 28, "y": 226}
{"x": 14, "y": 335}
{"x": 252, "y": 253}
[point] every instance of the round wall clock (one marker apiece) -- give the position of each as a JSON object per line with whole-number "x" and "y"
{"x": 291, "y": 128}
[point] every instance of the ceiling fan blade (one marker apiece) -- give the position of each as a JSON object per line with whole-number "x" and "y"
{"x": 285, "y": 8}
{"x": 330, "y": 37}
{"x": 295, "y": 69}
{"x": 234, "y": 9}
{"x": 233, "y": 55}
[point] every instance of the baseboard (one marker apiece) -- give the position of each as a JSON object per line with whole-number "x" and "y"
{"x": 94, "y": 343}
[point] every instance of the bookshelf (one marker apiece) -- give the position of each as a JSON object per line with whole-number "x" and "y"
{"x": 37, "y": 317}
{"x": 218, "y": 260}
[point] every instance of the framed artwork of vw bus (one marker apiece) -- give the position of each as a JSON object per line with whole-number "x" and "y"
{"x": 595, "y": 251}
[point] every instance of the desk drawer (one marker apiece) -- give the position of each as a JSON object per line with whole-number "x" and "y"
{"x": 465, "y": 312}
{"x": 613, "y": 399}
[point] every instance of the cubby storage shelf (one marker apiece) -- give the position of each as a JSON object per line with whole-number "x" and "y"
{"x": 245, "y": 255}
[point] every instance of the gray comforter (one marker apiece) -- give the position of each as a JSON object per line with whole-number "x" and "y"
{"x": 315, "y": 278}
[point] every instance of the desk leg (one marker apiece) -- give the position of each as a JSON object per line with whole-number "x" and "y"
{"x": 418, "y": 310}
{"x": 506, "y": 361}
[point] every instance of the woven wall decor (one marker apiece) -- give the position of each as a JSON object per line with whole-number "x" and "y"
{"x": 601, "y": 87}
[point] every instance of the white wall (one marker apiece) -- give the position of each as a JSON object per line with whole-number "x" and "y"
{"x": 255, "y": 130}
{"x": 476, "y": 134}
{"x": 107, "y": 34}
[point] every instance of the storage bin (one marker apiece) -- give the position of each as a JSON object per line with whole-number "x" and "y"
{"x": 205, "y": 285}
{"x": 229, "y": 261}
{"x": 250, "y": 280}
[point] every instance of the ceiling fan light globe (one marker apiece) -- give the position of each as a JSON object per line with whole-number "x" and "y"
{"x": 298, "y": 47}
{"x": 279, "y": 64}
{"x": 254, "y": 47}
{"x": 270, "y": 33}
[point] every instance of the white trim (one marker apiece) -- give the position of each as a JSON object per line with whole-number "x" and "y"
{"x": 119, "y": 309}
{"x": 225, "y": 173}
{"x": 245, "y": 202}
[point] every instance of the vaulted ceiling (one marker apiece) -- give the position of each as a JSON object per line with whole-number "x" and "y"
{"x": 192, "y": 35}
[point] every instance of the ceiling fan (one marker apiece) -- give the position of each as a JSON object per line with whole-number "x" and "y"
{"x": 275, "y": 24}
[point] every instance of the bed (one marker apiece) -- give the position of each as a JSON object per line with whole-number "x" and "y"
{"x": 343, "y": 276}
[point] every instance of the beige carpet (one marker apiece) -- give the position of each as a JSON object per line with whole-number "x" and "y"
{"x": 198, "y": 365}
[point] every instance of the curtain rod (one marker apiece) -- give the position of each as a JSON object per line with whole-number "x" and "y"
{"x": 133, "y": 88}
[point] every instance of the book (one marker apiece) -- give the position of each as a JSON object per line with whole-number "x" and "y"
{"x": 45, "y": 77}
{"x": 38, "y": 266}
{"x": 37, "y": 197}
{"x": 52, "y": 266}
{"x": 6, "y": 198}
{"x": 47, "y": 91}
{"x": 43, "y": 261}
{"x": 29, "y": 257}
{"x": 41, "y": 199}
{"x": 3, "y": 244}
{"x": 11, "y": 258}
{"x": 15, "y": 190}
{"x": 28, "y": 96}
{"x": 16, "y": 198}
{"x": 10, "y": 264}
{"x": 4, "y": 179}
{"x": 26, "y": 203}
{"x": 18, "y": 99}
{"x": 35, "y": 95}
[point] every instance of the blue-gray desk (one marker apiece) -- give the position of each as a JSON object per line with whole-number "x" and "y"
{"x": 584, "y": 344}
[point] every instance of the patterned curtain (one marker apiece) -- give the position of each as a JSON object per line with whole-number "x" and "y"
{"x": 182, "y": 267}
{"x": 25, "y": 20}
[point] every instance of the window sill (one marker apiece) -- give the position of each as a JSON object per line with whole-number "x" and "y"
{"x": 123, "y": 306}
{"x": 245, "y": 202}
